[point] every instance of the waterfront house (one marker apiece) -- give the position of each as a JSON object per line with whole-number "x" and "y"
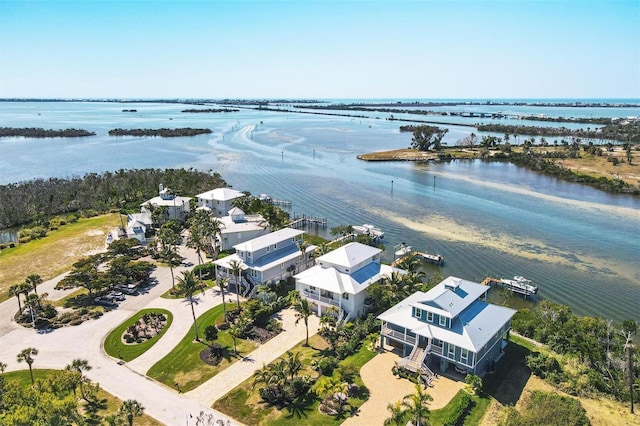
{"x": 450, "y": 326}
{"x": 340, "y": 279}
{"x": 238, "y": 227}
{"x": 219, "y": 201}
{"x": 266, "y": 259}
{"x": 177, "y": 207}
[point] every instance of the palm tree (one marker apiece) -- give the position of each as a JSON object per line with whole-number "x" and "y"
{"x": 235, "y": 331}
{"x": 131, "y": 408}
{"x": 304, "y": 310}
{"x": 236, "y": 269}
{"x": 222, "y": 283}
{"x": 32, "y": 281}
{"x": 170, "y": 255}
{"x": 195, "y": 241}
{"x": 294, "y": 364}
{"x": 189, "y": 284}
{"x": 79, "y": 366}
{"x": 397, "y": 415}
{"x": 302, "y": 246}
{"x": 16, "y": 291}
{"x": 416, "y": 406}
{"x": 27, "y": 356}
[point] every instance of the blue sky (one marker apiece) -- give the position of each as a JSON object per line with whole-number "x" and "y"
{"x": 320, "y": 49}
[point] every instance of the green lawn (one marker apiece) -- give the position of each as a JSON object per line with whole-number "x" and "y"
{"x": 183, "y": 364}
{"x": 244, "y": 403}
{"x": 115, "y": 347}
{"x": 174, "y": 293}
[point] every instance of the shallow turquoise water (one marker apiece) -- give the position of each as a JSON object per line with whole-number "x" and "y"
{"x": 579, "y": 245}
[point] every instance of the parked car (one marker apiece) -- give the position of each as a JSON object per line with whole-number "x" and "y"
{"x": 105, "y": 301}
{"x": 117, "y": 295}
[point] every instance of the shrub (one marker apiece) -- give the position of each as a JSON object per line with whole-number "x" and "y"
{"x": 325, "y": 365}
{"x": 459, "y": 409}
{"x": 76, "y": 321}
{"x": 301, "y": 385}
{"x": 270, "y": 394}
{"x": 223, "y": 326}
{"x": 211, "y": 333}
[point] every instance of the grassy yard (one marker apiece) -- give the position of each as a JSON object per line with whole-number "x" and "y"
{"x": 244, "y": 403}
{"x": 115, "y": 347}
{"x": 175, "y": 293}
{"x": 55, "y": 253}
{"x": 107, "y": 403}
{"x": 183, "y": 364}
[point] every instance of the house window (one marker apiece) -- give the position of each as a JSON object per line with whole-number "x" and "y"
{"x": 312, "y": 287}
{"x": 293, "y": 239}
{"x": 268, "y": 248}
{"x": 464, "y": 356}
{"x": 275, "y": 246}
{"x": 452, "y": 351}
{"x": 430, "y": 316}
{"x": 417, "y": 313}
{"x": 345, "y": 296}
{"x": 443, "y": 321}
{"x": 282, "y": 265}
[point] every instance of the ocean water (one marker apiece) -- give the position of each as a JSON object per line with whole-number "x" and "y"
{"x": 578, "y": 244}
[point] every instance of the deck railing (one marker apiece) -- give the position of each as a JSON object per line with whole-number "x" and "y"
{"x": 398, "y": 335}
{"x": 315, "y": 296}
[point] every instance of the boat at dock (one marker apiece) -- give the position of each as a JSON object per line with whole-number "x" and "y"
{"x": 519, "y": 284}
{"x": 402, "y": 250}
{"x": 368, "y": 229}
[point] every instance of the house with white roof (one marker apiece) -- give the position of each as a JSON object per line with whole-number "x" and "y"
{"x": 238, "y": 227}
{"x": 451, "y": 325}
{"x": 137, "y": 226}
{"x": 341, "y": 277}
{"x": 266, "y": 259}
{"x": 177, "y": 207}
{"x": 219, "y": 201}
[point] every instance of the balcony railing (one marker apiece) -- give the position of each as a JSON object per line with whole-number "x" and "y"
{"x": 316, "y": 297}
{"x": 398, "y": 335}
{"x": 436, "y": 350}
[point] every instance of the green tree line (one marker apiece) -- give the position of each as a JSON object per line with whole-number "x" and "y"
{"x": 38, "y": 132}
{"x": 164, "y": 132}
{"x": 24, "y": 202}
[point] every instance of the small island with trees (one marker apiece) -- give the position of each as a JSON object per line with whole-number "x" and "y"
{"x": 210, "y": 110}
{"x": 38, "y": 132}
{"x": 163, "y": 133}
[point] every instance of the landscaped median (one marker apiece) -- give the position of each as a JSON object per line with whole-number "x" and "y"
{"x": 115, "y": 346}
{"x": 183, "y": 369}
{"x": 246, "y": 404}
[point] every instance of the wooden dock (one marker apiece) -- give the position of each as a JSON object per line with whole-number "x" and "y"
{"x": 427, "y": 257}
{"x": 301, "y": 221}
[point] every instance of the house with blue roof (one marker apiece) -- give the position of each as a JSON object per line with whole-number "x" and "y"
{"x": 340, "y": 279}
{"x": 450, "y": 326}
{"x": 266, "y": 259}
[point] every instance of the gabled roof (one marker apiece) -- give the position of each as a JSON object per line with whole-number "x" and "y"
{"x": 269, "y": 239}
{"x": 235, "y": 211}
{"x": 221, "y": 194}
{"x": 350, "y": 254}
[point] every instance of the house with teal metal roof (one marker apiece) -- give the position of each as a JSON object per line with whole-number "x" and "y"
{"x": 450, "y": 326}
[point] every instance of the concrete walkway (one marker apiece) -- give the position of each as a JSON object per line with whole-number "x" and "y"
{"x": 60, "y": 347}
{"x": 292, "y": 334}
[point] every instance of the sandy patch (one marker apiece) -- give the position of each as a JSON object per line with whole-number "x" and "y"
{"x": 622, "y": 212}
{"x": 385, "y": 388}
